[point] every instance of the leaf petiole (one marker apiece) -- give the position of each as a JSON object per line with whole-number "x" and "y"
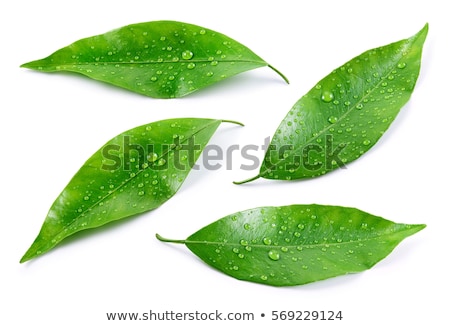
{"x": 247, "y": 180}
{"x": 235, "y": 122}
{"x": 279, "y": 73}
{"x": 160, "y": 238}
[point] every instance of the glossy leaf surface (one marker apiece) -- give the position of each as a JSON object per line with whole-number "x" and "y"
{"x": 298, "y": 244}
{"x": 134, "y": 172}
{"x": 161, "y": 59}
{"x": 345, "y": 113}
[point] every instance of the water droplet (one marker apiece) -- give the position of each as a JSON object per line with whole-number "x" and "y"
{"x": 366, "y": 142}
{"x": 161, "y": 162}
{"x": 267, "y": 241}
{"x": 247, "y": 226}
{"x": 152, "y": 157}
{"x": 359, "y": 106}
{"x": 327, "y": 96}
{"x": 264, "y": 277}
{"x": 187, "y": 55}
{"x": 86, "y": 198}
{"x": 274, "y": 255}
{"x": 141, "y": 193}
{"x": 209, "y": 74}
{"x": 332, "y": 119}
{"x": 202, "y": 32}
{"x": 154, "y": 182}
{"x": 284, "y": 249}
{"x": 236, "y": 250}
{"x": 401, "y": 65}
{"x": 191, "y": 65}
{"x": 162, "y": 38}
{"x": 243, "y": 242}
{"x": 214, "y": 63}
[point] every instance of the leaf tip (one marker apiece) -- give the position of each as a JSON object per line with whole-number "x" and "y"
{"x": 31, "y": 65}
{"x": 420, "y": 227}
{"x": 26, "y": 257}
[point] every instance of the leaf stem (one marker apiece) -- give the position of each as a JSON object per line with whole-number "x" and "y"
{"x": 247, "y": 180}
{"x": 160, "y": 238}
{"x": 279, "y": 73}
{"x": 235, "y": 122}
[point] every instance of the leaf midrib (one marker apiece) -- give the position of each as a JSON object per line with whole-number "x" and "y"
{"x": 309, "y": 246}
{"x": 96, "y": 63}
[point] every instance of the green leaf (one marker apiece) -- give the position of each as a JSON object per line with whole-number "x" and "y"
{"x": 134, "y": 172}
{"x": 298, "y": 244}
{"x": 161, "y": 59}
{"x": 345, "y": 113}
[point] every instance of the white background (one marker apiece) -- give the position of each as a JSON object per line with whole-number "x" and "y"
{"x": 51, "y": 123}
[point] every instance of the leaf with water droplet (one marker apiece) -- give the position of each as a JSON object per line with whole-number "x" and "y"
{"x": 134, "y": 172}
{"x": 160, "y": 59}
{"x": 346, "y": 113}
{"x": 307, "y": 243}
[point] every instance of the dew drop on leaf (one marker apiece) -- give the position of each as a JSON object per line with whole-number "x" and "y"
{"x": 187, "y": 55}
{"x": 327, "y": 96}
{"x": 332, "y": 119}
{"x": 274, "y": 255}
{"x": 152, "y": 157}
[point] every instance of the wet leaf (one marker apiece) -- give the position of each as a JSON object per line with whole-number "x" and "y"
{"x": 134, "y": 172}
{"x": 161, "y": 59}
{"x": 345, "y": 113}
{"x": 298, "y": 244}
